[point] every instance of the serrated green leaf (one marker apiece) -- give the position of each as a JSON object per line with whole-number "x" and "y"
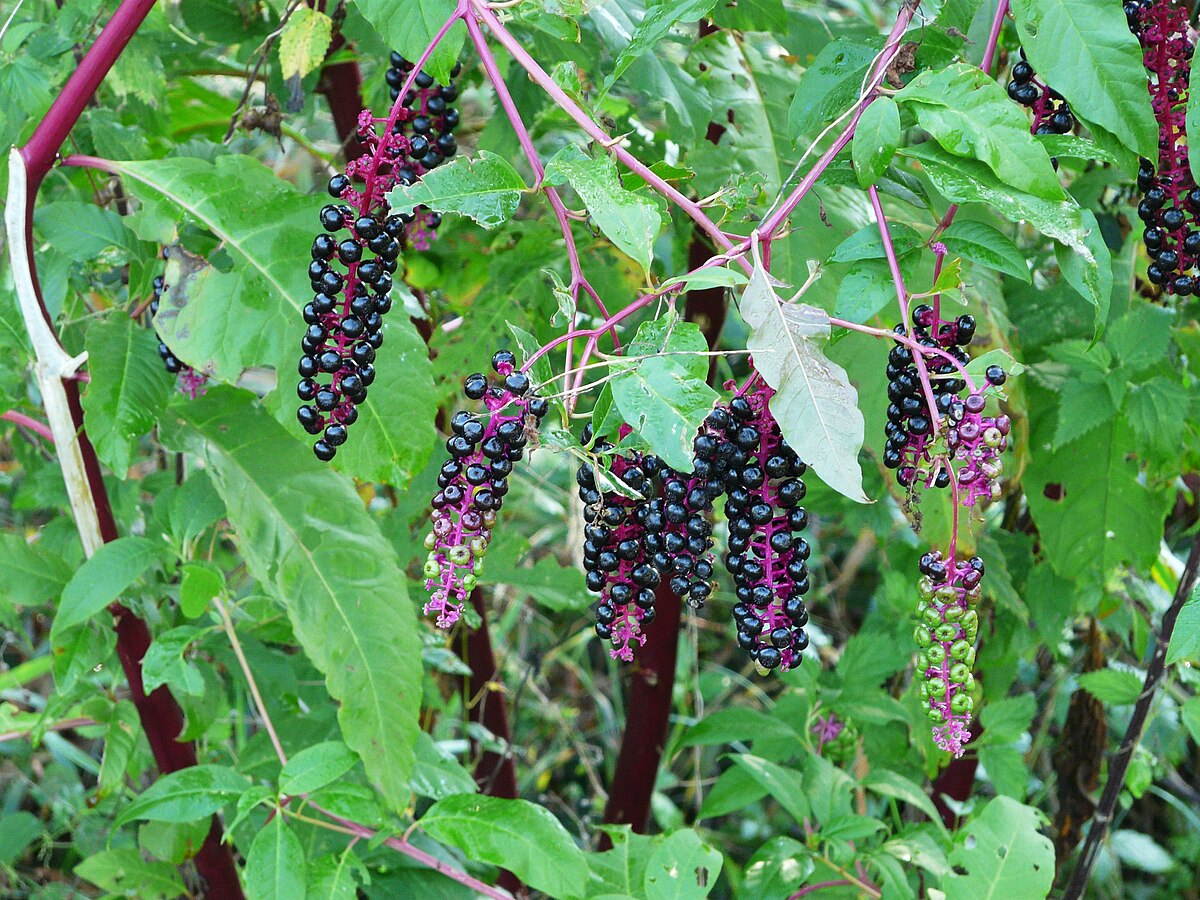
{"x": 275, "y": 865}
{"x": 1185, "y": 639}
{"x": 630, "y": 221}
{"x": 128, "y": 389}
{"x": 304, "y": 42}
{"x": 1112, "y": 686}
{"x": 875, "y": 140}
{"x": 486, "y": 188}
{"x": 988, "y": 246}
{"x": 309, "y": 542}
{"x": 1004, "y": 721}
{"x": 1087, "y": 52}
{"x": 185, "y": 795}
{"x": 664, "y": 395}
{"x": 316, "y": 766}
{"x": 1142, "y": 337}
{"x": 970, "y": 115}
{"x": 1157, "y": 411}
{"x": 1006, "y": 856}
{"x": 1082, "y": 407}
{"x": 34, "y": 573}
{"x": 523, "y": 838}
{"x": 815, "y": 404}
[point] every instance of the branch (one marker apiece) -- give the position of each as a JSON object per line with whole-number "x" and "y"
{"x": 1119, "y": 764}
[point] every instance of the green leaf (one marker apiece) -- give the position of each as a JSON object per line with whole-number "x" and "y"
{"x": 1092, "y": 278}
{"x": 17, "y": 831}
{"x": 865, "y": 290}
{"x": 1004, "y": 721}
{"x": 1140, "y": 851}
{"x": 664, "y": 396}
{"x": 815, "y": 404}
{"x": 776, "y": 869}
{"x": 1006, "y": 770}
{"x": 33, "y": 574}
{"x": 1141, "y": 338}
{"x": 781, "y": 782}
{"x": 962, "y": 180}
{"x": 658, "y": 20}
{"x": 1117, "y": 687}
{"x": 630, "y": 221}
{"x": 82, "y": 231}
{"x": 887, "y": 783}
{"x": 1189, "y": 714}
{"x": 128, "y": 389}
{"x": 1092, "y": 511}
{"x": 735, "y": 723}
{"x": 185, "y": 795}
{"x": 304, "y": 42}
{"x": 307, "y": 539}
{"x": 970, "y": 115}
{"x": 988, "y": 246}
{"x": 486, "y": 188}
{"x": 1157, "y": 411}
{"x": 331, "y": 876}
{"x": 875, "y": 140}
{"x": 710, "y": 277}
{"x": 123, "y": 872}
{"x": 682, "y": 868}
{"x": 225, "y": 322}
{"x": 523, "y": 838}
{"x": 1086, "y": 51}
{"x": 164, "y": 662}
{"x": 173, "y": 842}
{"x": 867, "y": 244}
{"x": 103, "y": 578}
{"x": 1192, "y": 120}
{"x": 408, "y": 26}
{"x": 1185, "y": 639}
{"x": 1083, "y": 406}
{"x": 1005, "y": 855}
{"x": 316, "y": 766}
{"x": 437, "y": 773}
{"x": 201, "y": 583}
{"x": 275, "y": 865}
{"x": 829, "y": 86}
{"x": 621, "y": 871}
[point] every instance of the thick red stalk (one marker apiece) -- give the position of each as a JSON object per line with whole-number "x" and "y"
{"x": 341, "y": 86}
{"x": 161, "y": 718}
{"x": 652, "y": 683}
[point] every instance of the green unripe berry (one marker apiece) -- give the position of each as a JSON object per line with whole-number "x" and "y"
{"x": 936, "y": 654}
{"x": 935, "y": 715}
{"x": 922, "y": 637}
{"x": 469, "y": 582}
{"x": 430, "y": 541}
{"x": 953, "y": 613}
{"x": 478, "y": 546}
{"x": 946, "y": 632}
{"x": 459, "y": 555}
{"x": 959, "y": 673}
{"x": 961, "y": 703}
{"x": 959, "y": 650}
{"x": 935, "y": 688}
{"x": 431, "y": 568}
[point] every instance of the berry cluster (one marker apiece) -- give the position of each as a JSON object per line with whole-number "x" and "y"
{"x": 743, "y": 446}
{"x": 357, "y": 254}
{"x": 474, "y": 480}
{"x": 1051, "y": 114}
{"x": 633, "y": 544}
{"x": 970, "y": 436}
{"x": 191, "y": 383}
{"x": 945, "y": 636}
{"x": 1170, "y": 205}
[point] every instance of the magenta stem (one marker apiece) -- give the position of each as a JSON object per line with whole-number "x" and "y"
{"x": 24, "y": 421}
{"x": 584, "y": 121}
{"x": 910, "y": 343}
{"x": 989, "y": 52}
{"x": 889, "y": 250}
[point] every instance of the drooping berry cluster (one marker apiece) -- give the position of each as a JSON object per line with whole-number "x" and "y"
{"x": 356, "y": 256}
{"x": 1051, "y": 114}
{"x": 767, "y": 555}
{"x": 1170, "y": 206}
{"x": 633, "y": 544}
{"x": 976, "y": 440}
{"x": 191, "y": 383}
{"x": 945, "y": 637}
{"x": 473, "y": 482}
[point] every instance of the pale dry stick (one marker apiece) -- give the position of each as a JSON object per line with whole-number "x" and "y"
{"x": 353, "y": 827}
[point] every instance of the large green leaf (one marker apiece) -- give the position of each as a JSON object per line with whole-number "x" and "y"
{"x": 782, "y": 783}
{"x": 815, "y": 403}
{"x": 275, "y": 865}
{"x": 128, "y": 389}
{"x": 829, "y": 86}
{"x": 408, "y": 26}
{"x": 186, "y": 795}
{"x": 664, "y": 396}
{"x": 630, "y": 221}
{"x": 682, "y": 868}
{"x": 223, "y": 321}
{"x": 1086, "y": 51}
{"x": 523, "y": 838}
{"x": 1004, "y": 855}
{"x": 124, "y": 873}
{"x": 487, "y": 188}
{"x": 1185, "y": 639}
{"x": 988, "y": 246}
{"x": 316, "y": 766}
{"x": 309, "y": 542}
{"x": 970, "y": 115}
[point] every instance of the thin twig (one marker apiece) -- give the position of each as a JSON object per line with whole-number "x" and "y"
{"x": 252, "y": 77}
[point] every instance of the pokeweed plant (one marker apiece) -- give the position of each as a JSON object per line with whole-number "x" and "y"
{"x": 938, "y": 359}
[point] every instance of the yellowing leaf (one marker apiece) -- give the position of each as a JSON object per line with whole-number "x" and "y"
{"x": 304, "y": 42}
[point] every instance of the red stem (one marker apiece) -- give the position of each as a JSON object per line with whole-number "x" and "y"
{"x": 161, "y": 718}
{"x": 341, "y": 86}
{"x": 651, "y": 685}
{"x": 24, "y": 421}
